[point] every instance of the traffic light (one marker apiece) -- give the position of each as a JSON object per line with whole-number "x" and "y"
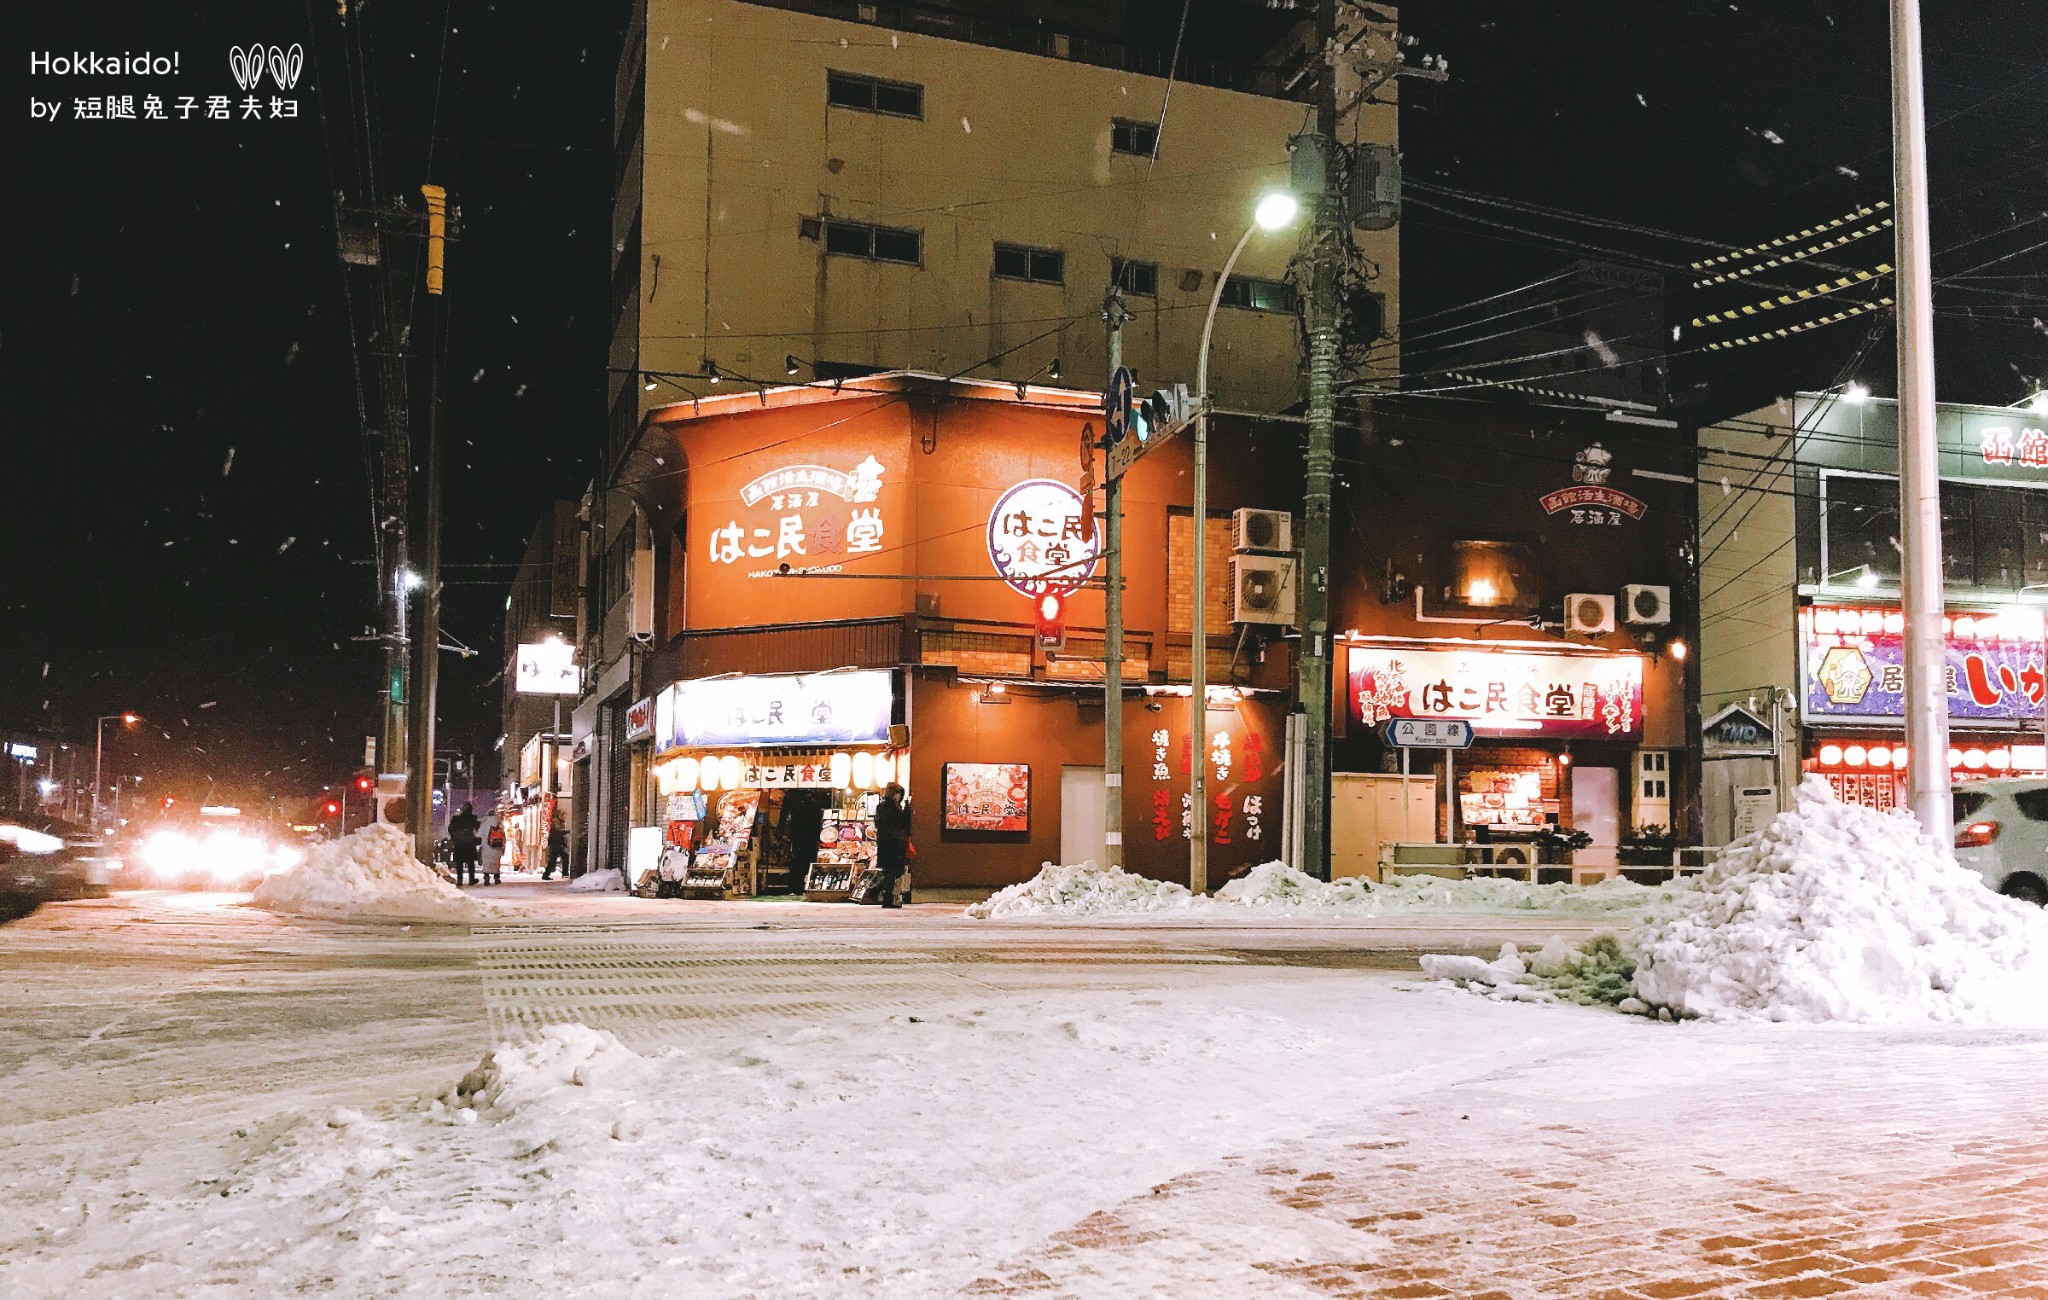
{"x": 365, "y": 783}
{"x": 1166, "y": 410}
{"x": 1050, "y": 613}
{"x": 331, "y": 808}
{"x": 168, "y": 801}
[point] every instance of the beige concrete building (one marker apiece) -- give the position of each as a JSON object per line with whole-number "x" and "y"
{"x": 860, "y": 194}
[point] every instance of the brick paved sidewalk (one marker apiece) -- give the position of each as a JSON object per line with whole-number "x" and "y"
{"x": 1888, "y": 1166}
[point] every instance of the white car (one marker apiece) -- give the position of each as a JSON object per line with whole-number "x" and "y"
{"x": 2002, "y": 834}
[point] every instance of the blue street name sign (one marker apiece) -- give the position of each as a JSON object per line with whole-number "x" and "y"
{"x": 1427, "y": 733}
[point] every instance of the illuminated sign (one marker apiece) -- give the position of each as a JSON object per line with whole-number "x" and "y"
{"x": 2001, "y": 444}
{"x": 547, "y": 668}
{"x": 1501, "y": 692}
{"x": 833, "y": 708}
{"x": 640, "y": 720}
{"x": 1853, "y": 665}
{"x": 808, "y": 532}
{"x": 1038, "y": 537}
{"x": 1591, "y": 501}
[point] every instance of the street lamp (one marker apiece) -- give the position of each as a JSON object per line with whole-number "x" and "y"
{"x": 1866, "y": 577}
{"x": 99, "y": 746}
{"x": 1274, "y": 212}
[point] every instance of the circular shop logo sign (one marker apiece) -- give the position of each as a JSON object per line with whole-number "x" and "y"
{"x": 1038, "y": 539}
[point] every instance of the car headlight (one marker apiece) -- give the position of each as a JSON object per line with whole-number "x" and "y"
{"x": 28, "y": 840}
{"x": 169, "y": 852}
{"x": 231, "y": 856}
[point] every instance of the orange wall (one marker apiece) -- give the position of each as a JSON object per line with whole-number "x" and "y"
{"x": 944, "y": 464}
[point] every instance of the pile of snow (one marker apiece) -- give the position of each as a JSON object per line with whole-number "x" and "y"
{"x": 609, "y": 881}
{"x": 371, "y": 873}
{"x": 1084, "y": 890}
{"x": 515, "y": 1076}
{"x": 1277, "y": 887}
{"x": 1839, "y": 912}
{"x": 1421, "y": 893}
{"x": 1595, "y": 973}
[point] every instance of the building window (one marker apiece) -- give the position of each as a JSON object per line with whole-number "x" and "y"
{"x": 1139, "y": 138}
{"x": 1141, "y": 278}
{"x": 1994, "y": 538}
{"x": 1492, "y": 576}
{"x": 618, "y": 564}
{"x": 875, "y": 243}
{"x": 1258, "y": 295}
{"x": 869, "y": 95}
{"x": 1038, "y": 265}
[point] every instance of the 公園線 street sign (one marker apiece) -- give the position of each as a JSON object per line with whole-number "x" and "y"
{"x": 1427, "y": 733}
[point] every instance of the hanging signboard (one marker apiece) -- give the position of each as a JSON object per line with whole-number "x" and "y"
{"x": 547, "y": 668}
{"x": 640, "y": 721}
{"x": 1853, "y": 665}
{"x": 832, "y": 708}
{"x": 1038, "y": 540}
{"x": 1501, "y": 692}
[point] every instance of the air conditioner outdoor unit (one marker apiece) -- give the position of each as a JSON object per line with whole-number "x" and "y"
{"x": 1645, "y": 605}
{"x": 1262, "y": 589}
{"x": 1588, "y": 614}
{"x": 1261, "y": 530}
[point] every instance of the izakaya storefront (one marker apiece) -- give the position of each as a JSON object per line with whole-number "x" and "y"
{"x": 1852, "y": 687}
{"x": 767, "y": 784}
{"x": 1563, "y": 740}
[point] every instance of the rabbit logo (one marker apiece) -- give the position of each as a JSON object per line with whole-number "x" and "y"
{"x": 248, "y": 64}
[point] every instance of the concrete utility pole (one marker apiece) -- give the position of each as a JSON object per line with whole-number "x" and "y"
{"x": 419, "y": 786}
{"x": 1920, "y": 580}
{"x": 1113, "y": 315}
{"x": 1325, "y": 254}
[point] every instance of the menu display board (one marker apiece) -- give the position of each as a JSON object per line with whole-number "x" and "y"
{"x": 988, "y": 797}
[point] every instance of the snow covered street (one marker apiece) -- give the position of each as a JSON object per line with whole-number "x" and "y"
{"x": 772, "y": 1099}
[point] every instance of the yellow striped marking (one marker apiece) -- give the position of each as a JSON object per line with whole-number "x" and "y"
{"x": 1789, "y": 299}
{"x": 1765, "y": 247}
{"x": 1801, "y": 328}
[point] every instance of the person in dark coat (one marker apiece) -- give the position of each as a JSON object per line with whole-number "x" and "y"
{"x": 558, "y": 849}
{"x": 892, "y": 843}
{"x": 466, "y": 843}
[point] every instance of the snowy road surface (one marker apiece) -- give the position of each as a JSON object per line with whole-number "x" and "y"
{"x": 201, "y": 1099}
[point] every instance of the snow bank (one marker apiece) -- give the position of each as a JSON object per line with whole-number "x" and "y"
{"x": 609, "y": 881}
{"x": 371, "y": 873}
{"x": 1274, "y": 888}
{"x": 515, "y": 1076}
{"x": 1487, "y": 894}
{"x": 1839, "y": 912}
{"x": 1277, "y": 887}
{"x": 1084, "y": 889}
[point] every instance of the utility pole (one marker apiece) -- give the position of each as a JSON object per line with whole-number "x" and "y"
{"x": 419, "y": 784}
{"x": 1326, "y": 253}
{"x": 1113, "y": 315}
{"x": 1920, "y": 576}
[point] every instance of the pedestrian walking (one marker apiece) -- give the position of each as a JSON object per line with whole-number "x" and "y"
{"x": 465, "y": 843}
{"x": 892, "y": 843}
{"x": 558, "y": 849}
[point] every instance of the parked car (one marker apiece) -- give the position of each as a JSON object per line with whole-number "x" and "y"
{"x": 74, "y": 862}
{"x": 2002, "y": 834}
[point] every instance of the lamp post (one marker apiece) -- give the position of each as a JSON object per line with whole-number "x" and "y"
{"x": 99, "y": 747}
{"x": 1275, "y": 212}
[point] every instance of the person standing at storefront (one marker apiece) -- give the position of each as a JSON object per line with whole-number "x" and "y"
{"x": 892, "y": 843}
{"x": 464, "y": 843}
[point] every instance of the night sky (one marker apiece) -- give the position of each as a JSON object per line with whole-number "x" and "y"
{"x": 191, "y": 522}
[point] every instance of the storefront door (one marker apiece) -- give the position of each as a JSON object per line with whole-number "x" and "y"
{"x": 1596, "y": 810}
{"x": 1084, "y": 813}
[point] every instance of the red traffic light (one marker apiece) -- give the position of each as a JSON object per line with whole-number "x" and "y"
{"x": 331, "y": 808}
{"x": 364, "y": 783}
{"x": 1050, "y": 612}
